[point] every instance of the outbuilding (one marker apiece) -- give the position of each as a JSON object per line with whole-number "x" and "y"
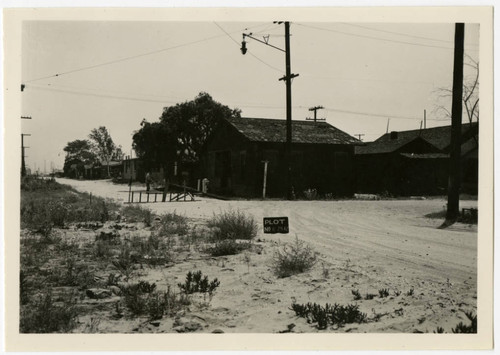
{"x": 241, "y": 150}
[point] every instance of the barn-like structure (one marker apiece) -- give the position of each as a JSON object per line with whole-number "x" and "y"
{"x": 322, "y": 158}
{"x": 416, "y": 162}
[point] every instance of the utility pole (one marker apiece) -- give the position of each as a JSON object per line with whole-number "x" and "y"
{"x": 264, "y": 184}
{"x": 456, "y": 123}
{"x": 315, "y": 108}
{"x": 288, "y": 81}
{"x": 23, "y": 163}
{"x": 387, "y": 129}
{"x": 425, "y": 119}
{"x": 360, "y": 135}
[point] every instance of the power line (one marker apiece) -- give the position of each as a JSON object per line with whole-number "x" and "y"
{"x": 129, "y": 58}
{"x": 239, "y": 105}
{"x": 372, "y": 37}
{"x": 79, "y": 89}
{"x": 374, "y": 114}
{"x": 74, "y": 92}
{"x": 401, "y": 34}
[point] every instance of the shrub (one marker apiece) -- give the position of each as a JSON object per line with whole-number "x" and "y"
{"x": 102, "y": 249}
{"x": 124, "y": 263}
{"x": 72, "y": 274}
{"x": 42, "y": 209}
{"x": 227, "y": 247}
{"x": 329, "y": 314}
{"x": 293, "y": 259}
{"x": 369, "y": 296}
{"x": 172, "y": 223}
{"x": 142, "y": 298}
{"x": 45, "y": 317}
{"x": 310, "y": 194}
{"x": 463, "y": 328}
{"x": 134, "y": 213}
{"x": 356, "y": 294}
{"x": 195, "y": 282}
{"x": 232, "y": 225}
{"x": 384, "y": 292}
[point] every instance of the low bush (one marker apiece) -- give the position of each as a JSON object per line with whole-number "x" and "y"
{"x": 293, "y": 259}
{"x": 172, "y": 223}
{"x": 124, "y": 263}
{"x": 72, "y": 274}
{"x": 384, "y": 292}
{"x": 356, "y": 294}
{"x": 329, "y": 314}
{"x": 196, "y": 282}
{"x": 232, "y": 225}
{"x": 43, "y": 209}
{"x": 135, "y": 213}
{"x": 464, "y": 328}
{"x": 143, "y": 299}
{"x": 310, "y": 194}
{"x": 43, "y": 316}
{"x": 227, "y": 247}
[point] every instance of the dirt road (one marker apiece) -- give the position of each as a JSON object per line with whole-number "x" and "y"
{"x": 377, "y": 244}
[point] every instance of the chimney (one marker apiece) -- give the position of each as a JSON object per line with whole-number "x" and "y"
{"x": 394, "y": 135}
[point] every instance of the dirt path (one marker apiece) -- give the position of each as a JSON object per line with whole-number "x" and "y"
{"x": 368, "y": 245}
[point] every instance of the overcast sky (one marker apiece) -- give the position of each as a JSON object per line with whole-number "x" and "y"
{"x": 114, "y": 74}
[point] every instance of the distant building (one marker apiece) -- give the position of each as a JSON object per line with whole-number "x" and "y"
{"x": 322, "y": 158}
{"x": 416, "y": 162}
{"x": 133, "y": 169}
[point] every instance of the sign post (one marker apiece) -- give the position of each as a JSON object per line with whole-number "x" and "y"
{"x": 276, "y": 225}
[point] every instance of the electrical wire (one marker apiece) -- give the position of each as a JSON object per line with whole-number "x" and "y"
{"x": 241, "y": 105}
{"x": 402, "y": 34}
{"x": 128, "y": 58}
{"x": 374, "y": 114}
{"x": 75, "y": 92}
{"x": 372, "y": 37}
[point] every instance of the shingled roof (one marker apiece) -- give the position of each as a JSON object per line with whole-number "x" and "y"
{"x": 274, "y": 130}
{"x": 437, "y": 136}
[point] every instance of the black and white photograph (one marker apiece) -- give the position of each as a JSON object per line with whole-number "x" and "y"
{"x": 265, "y": 175}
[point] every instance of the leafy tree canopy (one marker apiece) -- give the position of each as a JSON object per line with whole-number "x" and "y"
{"x": 79, "y": 152}
{"x": 182, "y": 130}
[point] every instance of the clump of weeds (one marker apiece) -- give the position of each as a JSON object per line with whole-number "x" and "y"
{"x": 356, "y": 294}
{"x": 329, "y": 314}
{"x": 233, "y": 225}
{"x": 464, "y": 328}
{"x": 172, "y": 223}
{"x": 227, "y": 247}
{"x": 143, "y": 299}
{"x": 384, "y": 292}
{"x": 370, "y": 296}
{"x": 44, "y": 316}
{"x": 136, "y": 213}
{"x": 293, "y": 259}
{"x": 196, "y": 282}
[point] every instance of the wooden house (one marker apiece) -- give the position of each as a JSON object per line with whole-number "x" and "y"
{"x": 235, "y": 155}
{"x": 416, "y": 162}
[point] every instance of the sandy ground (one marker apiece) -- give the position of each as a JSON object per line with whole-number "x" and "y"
{"x": 362, "y": 245}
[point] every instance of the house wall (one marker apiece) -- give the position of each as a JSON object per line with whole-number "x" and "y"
{"x": 234, "y": 166}
{"x": 401, "y": 176}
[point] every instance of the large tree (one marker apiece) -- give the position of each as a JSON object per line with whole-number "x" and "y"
{"x": 470, "y": 92}
{"x": 181, "y": 132}
{"x": 78, "y": 152}
{"x": 103, "y": 144}
{"x": 192, "y": 122}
